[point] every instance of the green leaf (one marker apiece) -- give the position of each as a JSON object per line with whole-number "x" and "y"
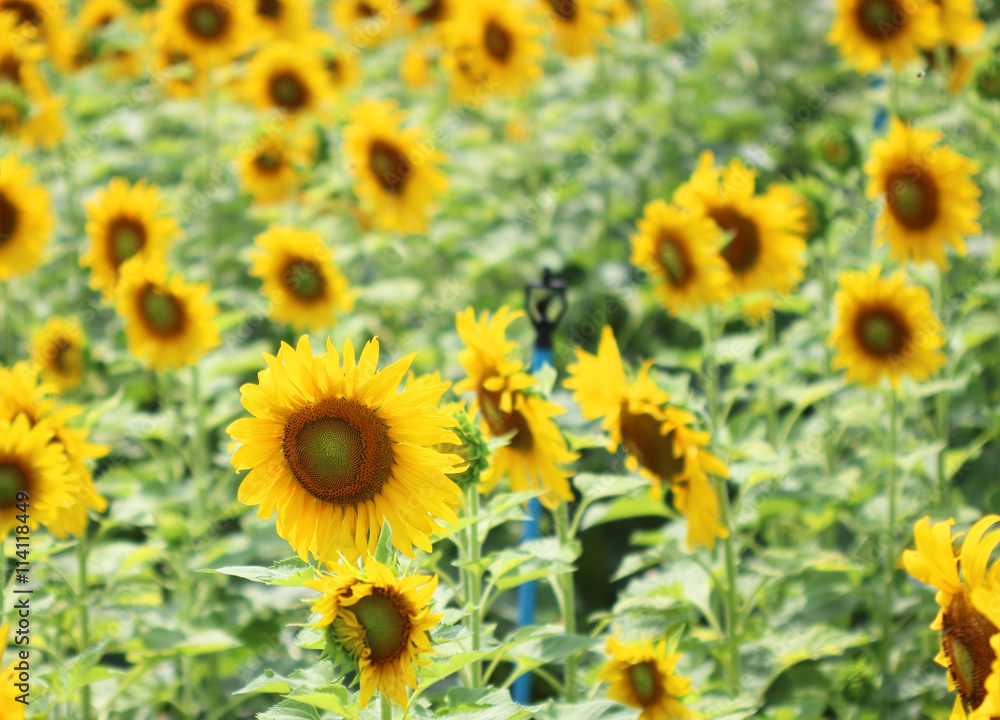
{"x": 383, "y": 551}
{"x": 541, "y": 651}
{"x": 335, "y": 699}
{"x": 594, "y": 487}
{"x": 292, "y": 571}
{"x": 269, "y": 682}
{"x": 290, "y": 710}
{"x": 622, "y": 508}
{"x": 444, "y": 667}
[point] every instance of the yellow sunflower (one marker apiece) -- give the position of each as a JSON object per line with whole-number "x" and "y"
{"x": 960, "y": 23}
{"x": 168, "y": 321}
{"x": 36, "y": 19}
{"x": 661, "y": 444}
{"x": 300, "y": 278}
{"x": 288, "y": 77}
{"x": 10, "y": 708}
{"x": 536, "y": 451}
{"x": 28, "y": 111}
{"x": 57, "y": 351}
{"x": 210, "y": 32}
{"x": 180, "y": 77}
{"x": 268, "y": 169}
{"x": 381, "y": 621}
{"x": 415, "y": 68}
{"x": 337, "y": 451}
{"x": 643, "y": 675}
{"x": 366, "y": 23}
{"x": 765, "y": 249}
{"x": 579, "y": 25}
{"x": 25, "y": 219}
{"x": 681, "y": 251}
{"x": 395, "y": 168}
{"x": 95, "y": 16}
{"x": 432, "y": 14}
{"x": 967, "y": 650}
{"x": 342, "y": 64}
{"x": 929, "y": 196}
{"x": 285, "y": 19}
{"x": 885, "y": 328}
{"x": 869, "y": 32}
{"x": 124, "y": 221}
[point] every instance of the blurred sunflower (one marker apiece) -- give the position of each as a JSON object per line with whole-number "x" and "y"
{"x": 416, "y": 66}
{"x": 381, "y": 621}
{"x": 57, "y": 352}
{"x": 35, "y": 20}
{"x": 869, "y": 32}
{"x": 168, "y": 321}
{"x": 532, "y": 458}
{"x": 579, "y": 25}
{"x": 337, "y": 451}
{"x": 643, "y": 675}
{"x": 395, "y": 168}
{"x": 343, "y": 68}
{"x": 930, "y": 197}
{"x": 969, "y": 610}
{"x": 25, "y": 218}
{"x": 95, "y": 16}
{"x": 681, "y": 251}
{"x": 300, "y": 279}
{"x": 661, "y": 444}
{"x": 209, "y": 32}
{"x": 765, "y": 249}
{"x": 885, "y": 328}
{"x": 365, "y": 23}
{"x": 28, "y": 111}
{"x": 10, "y": 708}
{"x": 960, "y": 23}
{"x": 288, "y": 77}
{"x": 180, "y": 77}
{"x": 270, "y": 169}
{"x": 432, "y": 14}
{"x": 285, "y": 19}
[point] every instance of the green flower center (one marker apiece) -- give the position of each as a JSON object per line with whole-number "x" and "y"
{"x": 288, "y": 91}
{"x": 674, "y": 260}
{"x": 387, "y": 630}
{"x": 162, "y": 312}
{"x": 743, "y": 249}
{"x": 645, "y": 682}
{"x": 128, "y": 238}
{"x": 12, "y": 481}
{"x": 206, "y": 20}
{"x": 881, "y": 19}
{"x": 8, "y": 219}
{"x": 390, "y": 166}
{"x": 498, "y": 41}
{"x": 913, "y": 198}
{"x": 882, "y": 333}
{"x": 303, "y": 278}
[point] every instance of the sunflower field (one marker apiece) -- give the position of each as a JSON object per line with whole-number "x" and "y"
{"x": 500, "y": 359}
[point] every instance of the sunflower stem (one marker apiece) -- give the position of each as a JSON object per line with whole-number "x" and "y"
{"x": 890, "y": 556}
{"x": 941, "y": 406}
{"x": 894, "y": 95}
{"x": 198, "y": 444}
{"x": 711, "y": 367}
{"x": 475, "y": 584}
{"x": 385, "y": 707}
{"x": 568, "y": 603}
{"x": 772, "y": 408}
{"x": 6, "y": 336}
{"x": 82, "y": 552}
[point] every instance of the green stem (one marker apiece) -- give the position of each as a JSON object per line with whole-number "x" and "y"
{"x": 941, "y": 406}
{"x": 568, "y": 604}
{"x": 6, "y": 335}
{"x": 829, "y": 446}
{"x": 198, "y": 462}
{"x": 890, "y": 556}
{"x": 894, "y": 94}
{"x": 772, "y": 408}
{"x": 711, "y": 368}
{"x": 82, "y": 551}
{"x": 476, "y": 585}
{"x": 385, "y": 707}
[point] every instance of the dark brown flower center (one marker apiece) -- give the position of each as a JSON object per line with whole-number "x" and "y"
{"x": 882, "y": 332}
{"x": 387, "y": 628}
{"x": 646, "y": 683}
{"x": 126, "y": 238}
{"x": 390, "y": 166}
{"x": 431, "y": 11}
{"x": 8, "y": 219}
{"x": 504, "y": 423}
{"x": 673, "y": 256}
{"x": 339, "y": 451}
{"x": 642, "y": 437}
{"x": 743, "y": 249}
{"x": 302, "y": 278}
{"x": 333, "y": 67}
{"x": 364, "y": 10}
{"x": 965, "y": 639}
{"x": 206, "y": 20}
{"x": 881, "y": 19}
{"x": 287, "y": 90}
{"x": 13, "y": 479}
{"x": 162, "y": 312}
{"x": 269, "y": 161}
{"x": 10, "y": 69}
{"x": 913, "y": 198}
{"x": 26, "y": 12}
{"x": 498, "y": 40}
{"x": 64, "y": 354}
{"x": 271, "y": 9}
{"x": 565, "y": 10}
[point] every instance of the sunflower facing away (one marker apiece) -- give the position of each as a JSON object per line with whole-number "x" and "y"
{"x": 381, "y": 621}
{"x": 395, "y": 168}
{"x": 536, "y": 451}
{"x": 337, "y": 451}
{"x": 285, "y": 19}
{"x": 57, "y": 352}
{"x": 661, "y": 444}
{"x": 885, "y": 328}
{"x": 929, "y": 196}
{"x": 25, "y": 219}
{"x": 288, "y": 77}
{"x": 579, "y": 25}
{"x": 300, "y": 279}
{"x": 642, "y": 675}
{"x": 10, "y": 708}
{"x": 168, "y": 321}
{"x": 681, "y": 251}
{"x": 869, "y": 32}
{"x": 124, "y": 221}
{"x": 968, "y": 592}
{"x": 210, "y": 32}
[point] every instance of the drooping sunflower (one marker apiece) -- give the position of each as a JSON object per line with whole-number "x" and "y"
{"x": 869, "y": 32}
{"x": 337, "y": 451}
{"x": 930, "y": 198}
{"x": 885, "y": 328}
{"x": 25, "y": 218}
{"x": 960, "y": 23}
{"x": 579, "y": 25}
{"x": 365, "y": 23}
{"x": 765, "y": 249}
{"x": 681, "y": 251}
{"x": 968, "y": 588}
{"x": 302, "y": 282}
{"x": 536, "y": 451}
{"x": 396, "y": 169}
{"x": 643, "y": 675}
{"x": 658, "y": 436}
{"x": 125, "y": 221}
{"x": 210, "y": 32}
{"x": 57, "y": 351}
{"x": 285, "y": 19}
{"x": 289, "y": 77}
{"x": 10, "y": 708}
{"x": 382, "y": 622}
{"x": 168, "y": 321}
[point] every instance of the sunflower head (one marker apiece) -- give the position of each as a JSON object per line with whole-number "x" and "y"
{"x": 835, "y": 146}
{"x": 643, "y": 675}
{"x": 579, "y": 25}
{"x": 57, "y": 351}
{"x": 26, "y": 220}
{"x": 288, "y": 77}
{"x": 285, "y": 19}
{"x": 210, "y": 32}
{"x": 869, "y": 32}
{"x": 814, "y": 196}
{"x": 987, "y": 78}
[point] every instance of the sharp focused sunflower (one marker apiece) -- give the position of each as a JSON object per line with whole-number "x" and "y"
{"x": 536, "y": 451}
{"x": 168, "y": 321}
{"x": 765, "y": 249}
{"x": 25, "y": 219}
{"x": 337, "y": 451}
{"x": 382, "y": 622}
{"x": 287, "y": 77}
{"x": 930, "y": 198}
{"x": 57, "y": 351}
{"x": 579, "y": 25}
{"x": 642, "y": 675}
{"x": 681, "y": 251}
{"x": 869, "y": 32}
{"x": 123, "y": 222}
{"x": 885, "y": 328}
{"x": 300, "y": 278}
{"x": 395, "y": 168}
{"x": 285, "y": 19}
{"x": 210, "y": 32}
{"x": 968, "y": 588}
{"x": 661, "y": 444}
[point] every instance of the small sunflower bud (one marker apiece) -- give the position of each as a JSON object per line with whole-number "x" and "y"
{"x": 474, "y": 450}
{"x": 836, "y": 147}
{"x": 988, "y": 78}
{"x": 815, "y": 195}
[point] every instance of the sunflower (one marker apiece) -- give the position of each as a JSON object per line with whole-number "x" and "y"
{"x": 415, "y": 68}
{"x": 95, "y": 16}
{"x": 532, "y": 458}
{"x": 169, "y": 323}
{"x": 661, "y": 444}
{"x": 36, "y": 19}
{"x": 885, "y": 328}
{"x": 285, "y": 19}
{"x": 681, "y": 251}
{"x": 57, "y": 351}
{"x": 395, "y": 169}
{"x": 287, "y": 77}
{"x": 968, "y": 612}
{"x": 124, "y": 221}
{"x": 869, "y": 32}
{"x": 28, "y": 111}
{"x": 381, "y": 621}
{"x": 930, "y": 198}
{"x": 643, "y": 675}
{"x": 180, "y": 77}
{"x": 268, "y": 169}
{"x": 431, "y": 14}
{"x": 209, "y": 32}
{"x": 342, "y": 64}
{"x": 338, "y": 452}
{"x": 579, "y": 25}
{"x": 25, "y": 218}
{"x": 366, "y": 23}
{"x": 765, "y": 249}
{"x": 10, "y": 708}
{"x": 300, "y": 279}
{"x": 960, "y": 23}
